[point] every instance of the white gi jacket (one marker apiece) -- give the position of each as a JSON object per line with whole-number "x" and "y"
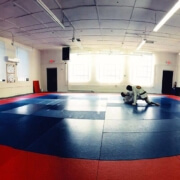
{"x": 138, "y": 93}
{"x": 129, "y": 98}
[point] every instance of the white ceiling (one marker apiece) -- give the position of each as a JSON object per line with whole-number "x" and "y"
{"x": 101, "y": 25}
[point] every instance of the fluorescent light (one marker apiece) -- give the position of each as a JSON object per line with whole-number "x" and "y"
{"x": 141, "y": 44}
{"x": 50, "y": 13}
{"x": 167, "y": 16}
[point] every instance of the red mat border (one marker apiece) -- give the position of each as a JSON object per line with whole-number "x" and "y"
{"x": 22, "y": 165}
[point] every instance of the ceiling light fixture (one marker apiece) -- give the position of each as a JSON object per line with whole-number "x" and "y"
{"x": 77, "y": 42}
{"x": 167, "y": 16}
{"x": 50, "y": 13}
{"x": 141, "y": 44}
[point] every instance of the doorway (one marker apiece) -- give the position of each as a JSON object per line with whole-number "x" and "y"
{"x": 52, "y": 79}
{"x": 167, "y": 82}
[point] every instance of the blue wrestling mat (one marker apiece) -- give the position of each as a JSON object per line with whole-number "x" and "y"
{"x": 92, "y": 126}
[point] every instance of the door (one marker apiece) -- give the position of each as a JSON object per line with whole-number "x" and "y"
{"x": 167, "y": 82}
{"x": 52, "y": 79}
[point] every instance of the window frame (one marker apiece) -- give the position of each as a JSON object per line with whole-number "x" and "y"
{"x": 141, "y": 70}
{"x": 23, "y": 63}
{"x": 3, "y": 75}
{"x": 110, "y": 67}
{"x": 79, "y": 69}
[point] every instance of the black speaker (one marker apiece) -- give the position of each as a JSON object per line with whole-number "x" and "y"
{"x": 65, "y": 53}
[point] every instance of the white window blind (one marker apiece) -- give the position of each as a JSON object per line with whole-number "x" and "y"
{"x": 2, "y": 62}
{"x": 109, "y": 68}
{"x": 142, "y": 70}
{"x": 79, "y": 68}
{"x": 23, "y": 65}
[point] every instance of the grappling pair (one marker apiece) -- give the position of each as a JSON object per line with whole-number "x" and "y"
{"x": 134, "y": 93}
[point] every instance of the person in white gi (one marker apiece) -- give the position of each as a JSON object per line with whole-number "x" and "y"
{"x": 139, "y": 93}
{"x": 127, "y": 97}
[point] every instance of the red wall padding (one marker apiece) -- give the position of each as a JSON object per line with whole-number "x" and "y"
{"x": 36, "y": 87}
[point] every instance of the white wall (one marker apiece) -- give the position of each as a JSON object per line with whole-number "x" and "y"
{"x": 18, "y": 88}
{"x": 163, "y": 61}
{"x": 178, "y": 71}
{"x": 55, "y": 55}
{"x": 39, "y": 62}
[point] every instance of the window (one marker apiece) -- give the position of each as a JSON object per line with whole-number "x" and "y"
{"x": 79, "y": 68}
{"x": 23, "y": 65}
{"x": 2, "y": 62}
{"x": 109, "y": 68}
{"x": 141, "y": 70}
